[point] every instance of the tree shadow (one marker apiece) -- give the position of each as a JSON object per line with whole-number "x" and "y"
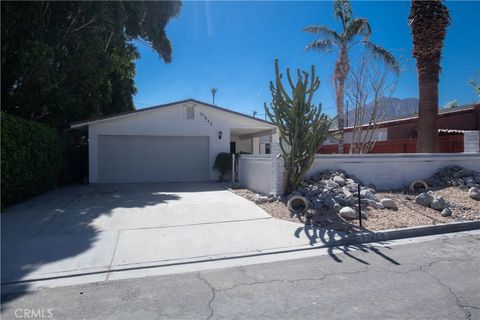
{"x": 56, "y": 231}
{"x": 334, "y": 238}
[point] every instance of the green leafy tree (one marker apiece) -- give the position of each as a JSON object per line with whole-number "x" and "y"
{"x": 429, "y": 21}
{"x": 475, "y": 83}
{"x": 302, "y": 126}
{"x": 68, "y": 61}
{"x": 451, "y": 105}
{"x": 343, "y": 41}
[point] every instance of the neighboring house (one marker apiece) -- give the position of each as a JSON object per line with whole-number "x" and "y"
{"x": 458, "y": 132}
{"x": 173, "y": 142}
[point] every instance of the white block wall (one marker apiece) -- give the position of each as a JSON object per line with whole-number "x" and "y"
{"x": 393, "y": 171}
{"x": 265, "y": 174}
{"x": 255, "y": 172}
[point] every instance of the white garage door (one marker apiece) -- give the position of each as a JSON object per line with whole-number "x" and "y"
{"x": 152, "y": 158}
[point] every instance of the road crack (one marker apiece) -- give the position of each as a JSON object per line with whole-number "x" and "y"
{"x": 468, "y": 314}
{"x": 213, "y": 291}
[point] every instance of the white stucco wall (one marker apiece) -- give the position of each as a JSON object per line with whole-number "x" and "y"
{"x": 265, "y": 173}
{"x": 393, "y": 171}
{"x": 256, "y": 173}
{"x": 171, "y": 121}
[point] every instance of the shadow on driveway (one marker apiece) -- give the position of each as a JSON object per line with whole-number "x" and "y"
{"x": 56, "y": 228}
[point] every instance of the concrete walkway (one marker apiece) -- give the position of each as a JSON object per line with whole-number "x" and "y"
{"x": 92, "y": 233}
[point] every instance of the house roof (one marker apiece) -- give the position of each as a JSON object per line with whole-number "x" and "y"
{"x": 441, "y": 113}
{"x": 127, "y": 113}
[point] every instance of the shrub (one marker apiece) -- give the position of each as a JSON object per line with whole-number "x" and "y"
{"x": 30, "y": 158}
{"x": 223, "y": 163}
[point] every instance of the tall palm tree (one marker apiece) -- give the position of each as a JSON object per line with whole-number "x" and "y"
{"x": 214, "y": 92}
{"x": 343, "y": 42}
{"x": 429, "y": 21}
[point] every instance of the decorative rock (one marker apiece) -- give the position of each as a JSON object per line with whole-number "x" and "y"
{"x": 337, "y": 207}
{"x": 348, "y": 213}
{"x": 346, "y": 192}
{"x": 339, "y": 180}
{"x": 350, "y": 181}
{"x": 438, "y": 203}
{"x": 474, "y": 193}
{"x": 259, "y": 199}
{"x": 316, "y": 190}
{"x": 329, "y": 202}
{"x": 368, "y": 194}
{"x": 376, "y": 205}
{"x": 388, "y": 203}
{"x": 424, "y": 199}
{"x": 342, "y": 199}
{"x": 332, "y": 184}
{"x": 446, "y": 212}
{"x": 317, "y": 203}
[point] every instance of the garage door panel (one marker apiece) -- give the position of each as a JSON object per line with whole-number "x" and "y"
{"x": 152, "y": 158}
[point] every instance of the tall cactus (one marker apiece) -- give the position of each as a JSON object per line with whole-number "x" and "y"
{"x": 302, "y": 126}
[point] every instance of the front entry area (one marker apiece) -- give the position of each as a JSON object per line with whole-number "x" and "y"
{"x": 133, "y": 158}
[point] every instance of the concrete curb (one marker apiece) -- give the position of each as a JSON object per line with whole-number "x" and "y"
{"x": 413, "y": 232}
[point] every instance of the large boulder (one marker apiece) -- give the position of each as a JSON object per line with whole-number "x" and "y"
{"x": 376, "y": 205}
{"x": 474, "y": 193}
{"x": 438, "y": 203}
{"x": 348, "y": 213}
{"x": 424, "y": 199}
{"x": 388, "y": 203}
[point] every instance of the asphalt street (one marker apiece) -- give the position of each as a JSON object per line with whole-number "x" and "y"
{"x": 438, "y": 278}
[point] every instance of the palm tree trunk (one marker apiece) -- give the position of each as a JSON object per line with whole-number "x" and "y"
{"x": 341, "y": 121}
{"x": 342, "y": 66}
{"x": 427, "y": 137}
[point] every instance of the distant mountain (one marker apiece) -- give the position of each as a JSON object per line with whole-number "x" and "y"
{"x": 394, "y": 109}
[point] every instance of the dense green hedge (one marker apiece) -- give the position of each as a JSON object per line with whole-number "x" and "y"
{"x": 30, "y": 159}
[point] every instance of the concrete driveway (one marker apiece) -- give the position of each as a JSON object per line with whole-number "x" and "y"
{"x": 96, "y": 232}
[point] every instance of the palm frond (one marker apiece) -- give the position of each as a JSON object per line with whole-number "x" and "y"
{"x": 382, "y": 54}
{"x": 326, "y": 32}
{"x": 342, "y": 10}
{"x": 324, "y": 45}
{"x": 358, "y": 27}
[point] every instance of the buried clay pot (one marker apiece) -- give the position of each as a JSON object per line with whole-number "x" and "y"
{"x": 297, "y": 203}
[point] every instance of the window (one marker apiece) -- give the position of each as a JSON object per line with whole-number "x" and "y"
{"x": 190, "y": 113}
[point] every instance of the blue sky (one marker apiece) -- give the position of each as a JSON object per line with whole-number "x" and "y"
{"x": 232, "y": 46}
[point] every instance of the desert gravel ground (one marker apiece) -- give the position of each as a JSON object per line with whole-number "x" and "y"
{"x": 408, "y": 214}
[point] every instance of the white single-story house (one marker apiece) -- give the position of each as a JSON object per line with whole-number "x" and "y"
{"x": 174, "y": 142}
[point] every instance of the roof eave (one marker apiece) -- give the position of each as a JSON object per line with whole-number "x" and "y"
{"x": 80, "y": 124}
